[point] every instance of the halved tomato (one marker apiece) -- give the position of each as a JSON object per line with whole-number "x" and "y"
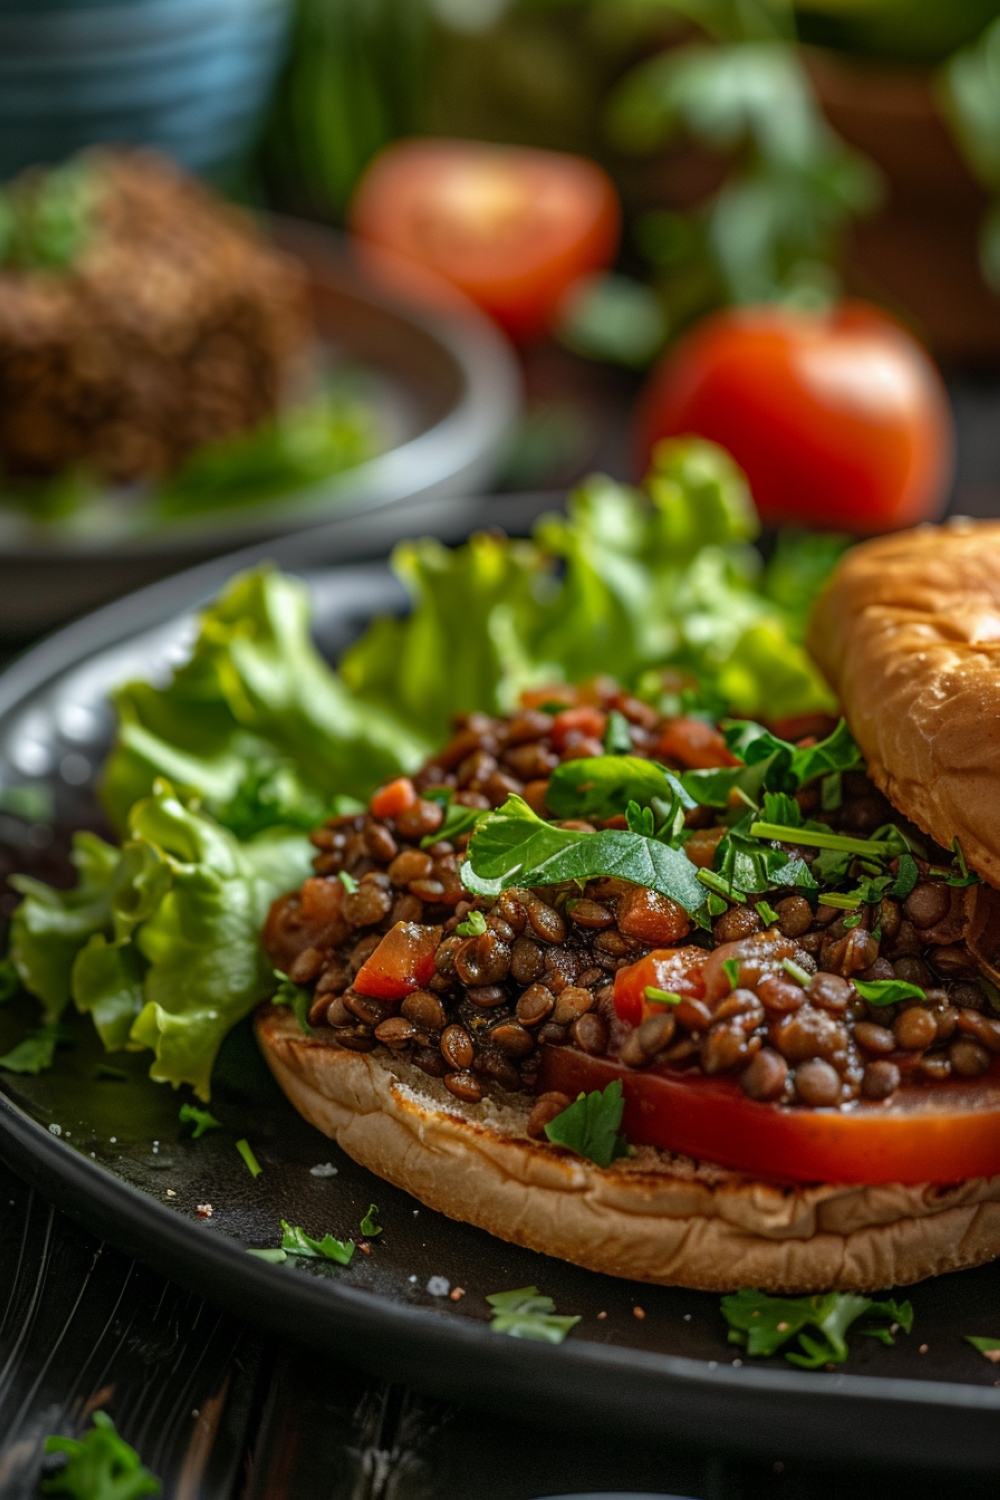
{"x": 940, "y": 1133}
{"x": 511, "y": 226}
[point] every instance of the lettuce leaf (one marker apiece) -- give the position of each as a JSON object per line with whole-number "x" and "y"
{"x": 254, "y": 699}
{"x": 164, "y": 952}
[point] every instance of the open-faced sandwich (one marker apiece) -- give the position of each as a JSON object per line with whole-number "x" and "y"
{"x": 702, "y": 1005}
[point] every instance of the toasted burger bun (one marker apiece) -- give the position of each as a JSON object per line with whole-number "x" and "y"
{"x": 655, "y": 1217}
{"x": 908, "y": 633}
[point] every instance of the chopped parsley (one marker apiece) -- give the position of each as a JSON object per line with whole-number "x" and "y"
{"x": 458, "y": 819}
{"x": 369, "y": 1227}
{"x": 661, "y": 997}
{"x": 347, "y": 881}
{"x": 590, "y": 1126}
{"x": 766, "y": 912}
{"x": 524, "y": 1314}
{"x": 617, "y": 739}
{"x": 795, "y": 971}
{"x": 906, "y": 878}
{"x": 253, "y": 1165}
{"x": 296, "y": 1242}
{"x": 731, "y": 969}
{"x": 764, "y": 1324}
{"x": 888, "y": 991}
{"x": 295, "y": 997}
{"x": 99, "y": 1466}
{"x": 201, "y": 1119}
{"x": 474, "y": 925}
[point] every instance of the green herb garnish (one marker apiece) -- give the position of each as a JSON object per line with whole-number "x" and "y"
{"x": 795, "y": 971}
{"x": 10, "y": 981}
{"x": 524, "y": 1314}
{"x": 720, "y": 887}
{"x": 202, "y": 1121}
{"x": 474, "y": 925}
{"x": 369, "y": 1227}
{"x": 99, "y": 1466}
{"x": 731, "y": 969}
{"x": 661, "y": 997}
{"x": 766, "y": 912}
{"x": 906, "y": 879}
{"x": 764, "y": 1324}
{"x": 347, "y": 881}
{"x": 888, "y": 991}
{"x": 38, "y": 1049}
{"x": 253, "y": 1165}
{"x": 296, "y": 1242}
{"x": 603, "y": 786}
{"x": 275, "y": 1257}
{"x": 590, "y": 1126}
{"x": 617, "y": 739}
{"x": 822, "y": 840}
{"x": 513, "y": 846}
{"x": 458, "y": 819}
{"x": 298, "y": 999}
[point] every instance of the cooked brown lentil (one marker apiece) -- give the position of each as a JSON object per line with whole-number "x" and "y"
{"x": 541, "y": 974}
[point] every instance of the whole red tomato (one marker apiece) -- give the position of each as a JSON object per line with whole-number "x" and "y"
{"x": 839, "y": 419}
{"x": 511, "y": 226}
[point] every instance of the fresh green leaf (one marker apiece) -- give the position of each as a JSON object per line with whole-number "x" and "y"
{"x": 831, "y": 792}
{"x": 296, "y": 997}
{"x": 273, "y": 1257}
{"x": 513, "y": 846}
{"x": 731, "y": 969}
{"x": 906, "y": 879}
{"x": 347, "y": 881}
{"x": 458, "y": 819}
{"x": 296, "y": 1242}
{"x": 989, "y": 1348}
{"x": 38, "y": 1049}
{"x": 99, "y": 1466}
{"x": 602, "y": 787}
{"x": 474, "y": 925}
{"x": 764, "y": 1324}
{"x": 854, "y": 920}
{"x": 202, "y": 1121}
{"x": 778, "y": 807}
{"x": 888, "y": 991}
{"x": 254, "y": 692}
{"x": 766, "y": 912}
{"x": 590, "y": 1126}
{"x": 722, "y": 886}
{"x": 524, "y": 1314}
{"x": 252, "y": 1164}
{"x": 830, "y": 867}
{"x": 369, "y": 1226}
{"x": 617, "y": 737}
{"x": 166, "y": 933}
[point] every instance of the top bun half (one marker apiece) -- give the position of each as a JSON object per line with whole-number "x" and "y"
{"x": 907, "y": 632}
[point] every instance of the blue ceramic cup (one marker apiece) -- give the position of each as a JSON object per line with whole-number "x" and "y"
{"x": 190, "y": 77}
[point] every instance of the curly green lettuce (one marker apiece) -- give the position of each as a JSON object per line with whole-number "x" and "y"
{"x": 160, "y": 941}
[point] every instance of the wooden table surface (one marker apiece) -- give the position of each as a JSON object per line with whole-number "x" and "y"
{"x": 220, "y": 1411}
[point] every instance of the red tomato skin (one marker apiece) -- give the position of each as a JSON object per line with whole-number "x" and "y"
{"x": 680, "y": 971}
{"x": 839, "y": 419}
{"x": 561, "y": 220}
{"x": 939, "y": 1133}
{"x": 402, "y": 962}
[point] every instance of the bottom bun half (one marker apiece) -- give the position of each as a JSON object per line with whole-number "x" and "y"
{"x": 653, "y": 1217}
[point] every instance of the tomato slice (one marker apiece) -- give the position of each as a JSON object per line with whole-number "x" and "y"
{"x": 402, "y": 962}
{"x": 941, "y": 1132}
{"x": 511, "y": 226}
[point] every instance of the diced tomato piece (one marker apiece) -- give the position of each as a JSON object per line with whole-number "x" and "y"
{"x": 696, "y": 744}
{"x": 942, "y": 1132}
{"x": 677, "y": 970}
{"x": 804, "y": 726}
{"x": 394, "y": 798}
{"x": 402, "y": 962}
{"x": 587, "y": 720}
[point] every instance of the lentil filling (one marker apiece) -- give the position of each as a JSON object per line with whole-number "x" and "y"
{"x": 489, "y": 982}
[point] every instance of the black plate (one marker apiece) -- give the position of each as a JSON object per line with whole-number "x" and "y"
{"x": 109, "y": 1153}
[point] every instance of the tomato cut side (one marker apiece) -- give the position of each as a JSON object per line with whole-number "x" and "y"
{"x": 402, "y": 962}
{"x": 511, "y": 226}
{"x": 940, "y": 1133}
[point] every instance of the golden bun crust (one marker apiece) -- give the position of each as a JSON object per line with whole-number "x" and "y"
{"x": 907, "y": 631}
{"x": 655, "y": 1217}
